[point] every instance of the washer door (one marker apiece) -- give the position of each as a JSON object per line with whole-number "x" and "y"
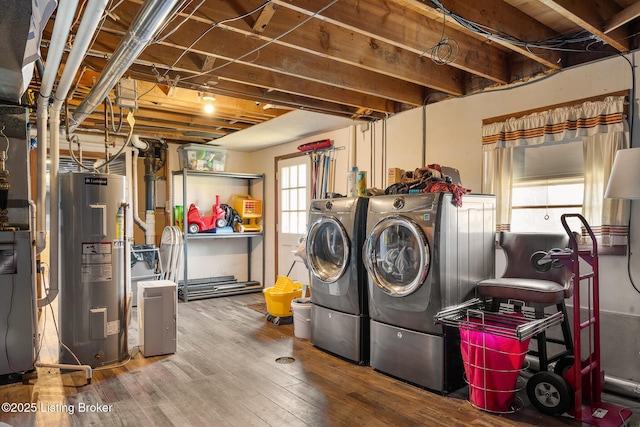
{"x": 397, "y": 256}
{"x": 328, "y": 249}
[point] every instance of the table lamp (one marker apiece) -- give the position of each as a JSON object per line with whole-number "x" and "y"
{"x": 624, "y": 182}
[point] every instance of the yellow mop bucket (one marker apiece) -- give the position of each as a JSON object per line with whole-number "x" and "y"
{"x": 279, "y": 296}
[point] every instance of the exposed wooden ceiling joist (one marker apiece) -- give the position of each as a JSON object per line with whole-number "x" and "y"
{"x": 360, "y": 59}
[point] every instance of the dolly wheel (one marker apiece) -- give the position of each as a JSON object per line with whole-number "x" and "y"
{"x": 276, "y": 321}
{"x": 549, "y": 393}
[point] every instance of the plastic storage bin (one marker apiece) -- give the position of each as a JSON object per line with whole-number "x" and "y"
{"x": 202, "y": 157}
{"x": 279, "y": 296}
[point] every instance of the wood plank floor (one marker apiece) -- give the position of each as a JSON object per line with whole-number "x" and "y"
{"x": 225, "y": 374}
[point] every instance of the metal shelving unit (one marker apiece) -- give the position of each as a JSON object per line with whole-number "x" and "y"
{"x": 199, "y": 288}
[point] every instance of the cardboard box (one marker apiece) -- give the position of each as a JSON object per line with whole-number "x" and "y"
{"x": 394, "y": 175}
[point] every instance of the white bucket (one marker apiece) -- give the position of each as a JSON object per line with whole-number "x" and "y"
{"x": 301, "y": 308}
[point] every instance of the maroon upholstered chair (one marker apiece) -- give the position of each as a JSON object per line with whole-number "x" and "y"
{"x": 525, "y": 280}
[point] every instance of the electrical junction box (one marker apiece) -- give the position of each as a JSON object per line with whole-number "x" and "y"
{"x": 127, "y": 94}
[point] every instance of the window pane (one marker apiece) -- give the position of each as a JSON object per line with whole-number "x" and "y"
{"x": 543, "y": 220}
{"x": 293, "y": 199}
{"x": 302, "y": 175}
{"x": 539, "y": 206}
{"x": 302, "y": 199}
{"x": 547, "y": 195}
{"x": 302, "y": 222}
{"x": 566, "y": 194}
{"x": 285, "y": 222}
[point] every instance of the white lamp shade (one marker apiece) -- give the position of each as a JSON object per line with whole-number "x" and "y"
{"x": 624, "y": 182}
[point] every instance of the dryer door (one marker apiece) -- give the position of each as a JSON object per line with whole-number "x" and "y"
{"x": 328, "y": 249}
{"x": 397, "y": 255}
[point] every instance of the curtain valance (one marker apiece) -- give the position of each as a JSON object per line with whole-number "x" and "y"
{"x": 586, "y": 119}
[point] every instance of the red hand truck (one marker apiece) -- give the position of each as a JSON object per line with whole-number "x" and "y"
{"x": 586, "y": 378}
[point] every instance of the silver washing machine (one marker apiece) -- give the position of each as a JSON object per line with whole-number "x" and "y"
{"x": 422, "y": 254}
{"x": 339, "y": 314}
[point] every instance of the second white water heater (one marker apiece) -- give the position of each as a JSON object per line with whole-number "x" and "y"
{"x": 93, "y": 265}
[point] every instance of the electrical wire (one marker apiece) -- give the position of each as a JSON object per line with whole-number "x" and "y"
{"x": 552, "y": 43}
{"x": 273, "y": 40}
{"x": 55, "y": 324}
{"x": 179, "y": 25}
{"x": 631, "y": 132}
{"x": 107, "y": 162}
{"x": 446, "y": 51}
{"x": 113, "y": 125}
{"x": 215, "y": 25}
{"x": 44, "y": 323}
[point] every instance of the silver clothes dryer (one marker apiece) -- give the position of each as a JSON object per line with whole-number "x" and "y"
{"x": 339, "y": 314}
{"x": 422, "y": 254}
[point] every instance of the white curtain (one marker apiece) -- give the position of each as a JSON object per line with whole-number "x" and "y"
{"x": 604, "y": 131}
{"x": 498, "y": 180}
{"x": 608, "y": 218}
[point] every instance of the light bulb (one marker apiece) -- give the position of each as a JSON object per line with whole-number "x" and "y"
{"x": 208, "y": 108}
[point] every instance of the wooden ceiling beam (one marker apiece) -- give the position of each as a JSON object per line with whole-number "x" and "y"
{"x": 291, "y": 101}
{"x": 324, "y": 70}
{"x": 502, "y": 17}
{"x": 622, "y": 17}
{"x": 308, "y": 90}
{"x": 152, "y": 117}
{"x": 592, "y": 16}
{"x": 264, "y": 17}
{"x": 304, "y": 67}
{"x": 352, "y": 34}
{"x": 404, "y": 28}
{"x": 352, "y": 70}
{"x": 304, "y": 88}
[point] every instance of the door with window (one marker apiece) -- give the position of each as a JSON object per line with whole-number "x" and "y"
{"x": 293, "y": 210}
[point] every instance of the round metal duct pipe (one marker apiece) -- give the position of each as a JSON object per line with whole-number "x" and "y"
{"x": 143, "y": 28}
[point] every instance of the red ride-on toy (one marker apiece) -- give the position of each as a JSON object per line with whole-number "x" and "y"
{"x": 197, "y": 223}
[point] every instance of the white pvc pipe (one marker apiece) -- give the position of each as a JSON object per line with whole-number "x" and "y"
{"x": 64, "y": 18}
{"x": 353, "y": 161}
{"x": 90, "y": 21}
{"x": 134, "y": 195}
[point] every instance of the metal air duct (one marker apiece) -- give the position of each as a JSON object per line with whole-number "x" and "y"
{"x": 144, "y": 26}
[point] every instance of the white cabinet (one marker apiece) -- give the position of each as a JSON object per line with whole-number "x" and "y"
{"x": 218, "y": 264}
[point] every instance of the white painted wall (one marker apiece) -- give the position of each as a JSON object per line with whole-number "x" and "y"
{"x": 453, "y": 138}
